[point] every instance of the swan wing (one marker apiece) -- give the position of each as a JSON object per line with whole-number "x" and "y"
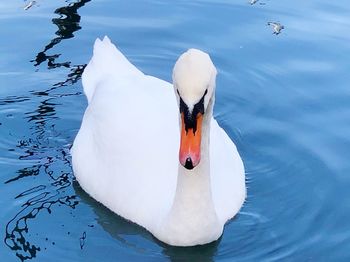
{"x": 227, "y": 174}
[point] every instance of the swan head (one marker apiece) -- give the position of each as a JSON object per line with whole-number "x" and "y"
{"x": 194, "y": 78}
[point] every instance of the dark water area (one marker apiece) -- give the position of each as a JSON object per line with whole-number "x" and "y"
{"x": 283, "y": 98}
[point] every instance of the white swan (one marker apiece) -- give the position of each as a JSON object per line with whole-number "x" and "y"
{"x": 129, "y": 154}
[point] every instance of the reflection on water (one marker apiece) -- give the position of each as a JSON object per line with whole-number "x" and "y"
{"x": 44, "y": 144}
{"x": 67, "y": 24}
{"x": 17, "y": 228}
{"x": 123, "y": 231}
{"x": 73, "y": 76}
{"x": 49, "y": 154}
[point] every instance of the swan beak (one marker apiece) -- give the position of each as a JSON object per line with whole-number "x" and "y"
{"x": 190, "y": 144}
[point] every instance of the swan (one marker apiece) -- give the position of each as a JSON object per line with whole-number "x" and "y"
{"x": 160, "y": 162}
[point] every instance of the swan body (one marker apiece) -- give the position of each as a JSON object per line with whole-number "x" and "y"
{"x": 126, "y": 153}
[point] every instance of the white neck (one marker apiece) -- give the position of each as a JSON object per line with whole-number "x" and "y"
{"x": 193, "y": 218}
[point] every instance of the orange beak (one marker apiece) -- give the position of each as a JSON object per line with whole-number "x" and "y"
{"x": 190, "y": 144}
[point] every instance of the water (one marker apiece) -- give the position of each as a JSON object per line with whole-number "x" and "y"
{"x": 283, "y": 99}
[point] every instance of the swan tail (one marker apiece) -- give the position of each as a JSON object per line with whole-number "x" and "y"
{"x": 106, "y": 61}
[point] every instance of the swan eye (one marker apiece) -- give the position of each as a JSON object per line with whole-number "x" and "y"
{"x": 177, "y": 90}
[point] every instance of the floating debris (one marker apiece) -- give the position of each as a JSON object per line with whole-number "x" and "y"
{"x": 277, "y": 27}
{"x": 252, "y": 2}
{"x": 29, "y": 5}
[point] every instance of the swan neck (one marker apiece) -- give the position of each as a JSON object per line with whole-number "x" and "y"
{"x": 192, "y": 218}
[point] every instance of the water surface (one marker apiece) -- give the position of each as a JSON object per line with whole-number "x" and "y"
{"x": 283, "y": 99}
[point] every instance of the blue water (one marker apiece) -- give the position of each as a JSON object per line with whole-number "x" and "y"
{"x": 283, "y": 99}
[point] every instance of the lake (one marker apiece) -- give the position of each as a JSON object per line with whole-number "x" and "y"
{"x": 282, "y": 96}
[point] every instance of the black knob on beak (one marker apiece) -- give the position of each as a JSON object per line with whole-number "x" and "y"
{"x": 189, "y": 164}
